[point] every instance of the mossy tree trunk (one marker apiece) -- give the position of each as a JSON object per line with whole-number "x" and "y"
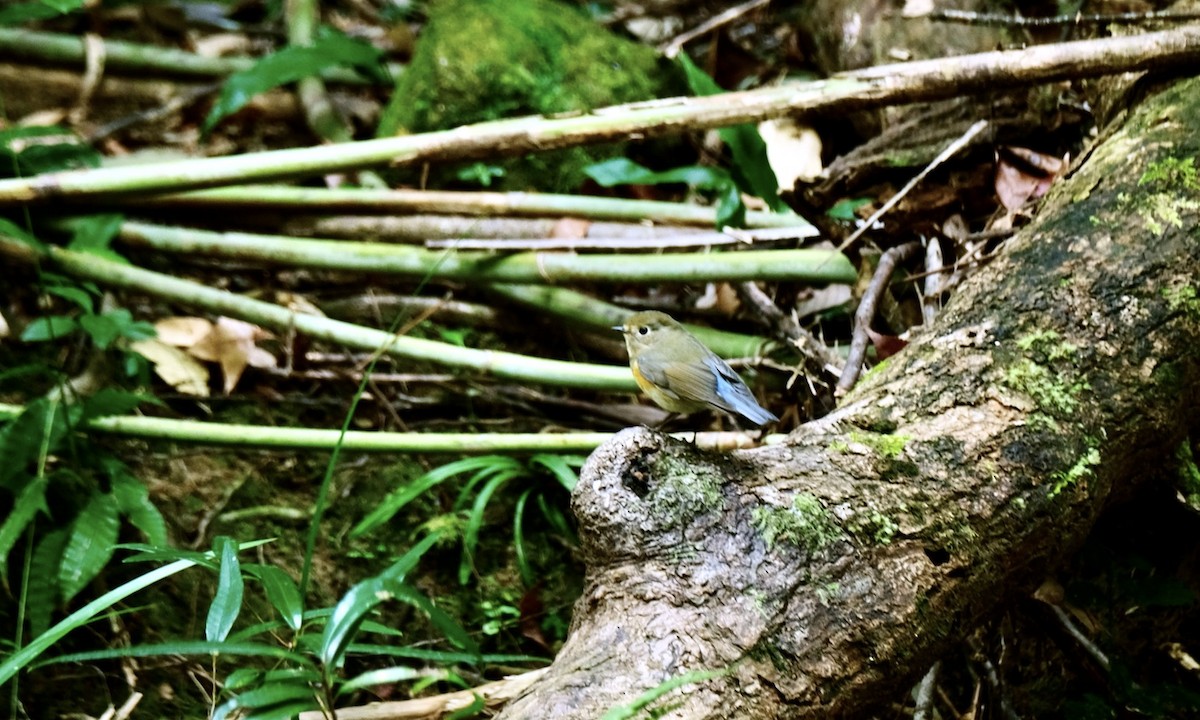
{"x": 827, "y": 575}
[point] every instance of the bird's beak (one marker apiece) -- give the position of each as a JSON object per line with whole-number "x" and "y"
{"x": 619, "y": 328}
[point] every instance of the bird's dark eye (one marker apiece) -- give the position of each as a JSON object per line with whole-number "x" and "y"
{"x": 643, "y": 330}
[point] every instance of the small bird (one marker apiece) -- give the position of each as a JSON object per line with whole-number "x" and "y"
{"x": 681, "y": 374}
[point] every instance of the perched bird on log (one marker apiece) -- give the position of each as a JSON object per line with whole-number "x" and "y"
{"x": 680, "y": 374}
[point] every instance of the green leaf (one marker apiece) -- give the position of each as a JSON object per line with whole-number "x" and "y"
{"x": 351, "y": 610}
{"x": 90, "y": 546}
{"x": 29, "y": 151}
{"x": 247, "y": 677}
{"x": 282, "y": 592}
{"x": 623, "y": 171}
{"x": 93, "y": 234}
{"x": 496, "y": 465}
{"x": 107, "y": 327}
{"x": 15, "y": 662}
{"x": 227, "y": 602}
{"x": 31, "y": 436}
{"x": 476, "y": 707}
{"x": 283, "y": 711}
{"x": 475, "y": 522}
{"x": 103, "y": 329}
{"x": 50, "y": 327}
{"x": 519, "y": 539}
{"x": 400, "y": 497}
{"x": 112, "y": 401}
{"x": 30, "y": 500}
{"x": 731, "y": 211}
{"x": 623, "y": 712}
{"x": 565, "y": 468}
{"x": 185, "y": 647}
{"x": 845, "y": 208}
{"x": 751, "y": 170}
{"x": 16, "y": 232}
{"x": 43, "y": 594}
{"x": 620, "y": 171}
{"x": 382, "y": 676}
{"x": 443, "y": 622}
{"x": 41, "y": 10}
{"x": 133, "y": 501}
{"x": 557, "y": 520}
{"x": 288, "y": 66}
{"x": 72, "y": 293}
{"x": 274, "y": 694}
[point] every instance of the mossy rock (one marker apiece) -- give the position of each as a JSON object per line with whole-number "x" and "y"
{"x": 479, "y": 60}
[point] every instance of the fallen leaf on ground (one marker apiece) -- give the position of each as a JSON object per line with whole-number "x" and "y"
{"x": 176, "y": 368}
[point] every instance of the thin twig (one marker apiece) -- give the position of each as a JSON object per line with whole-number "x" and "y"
{"x": 684, "y": 240}
{"x": 170, "y": 107}
{"x": 672, "y": 48}
{"x": 866, "y": 312}
{"x": 1096, "y": 653}
{"x": 787, "y": 327}
{"x": 435, "y": 378}
{"x": 942, "y": 157}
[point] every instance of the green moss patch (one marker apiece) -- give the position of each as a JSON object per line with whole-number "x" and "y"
{"x": 805, "y": 524}
{"x": 480, "y": 60}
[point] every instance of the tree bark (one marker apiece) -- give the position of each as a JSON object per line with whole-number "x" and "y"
{"x": 826, "y": 575}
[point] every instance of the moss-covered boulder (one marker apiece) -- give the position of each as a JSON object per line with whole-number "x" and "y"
{"x": 479, "y": 60}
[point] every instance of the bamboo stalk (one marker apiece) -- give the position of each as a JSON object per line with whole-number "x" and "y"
{"x": 501, "y": 364}
{"x": 598, "y": 315}
{"x": 449, "y": 202}
{"x": 814, "y": 266}
{"x": 291, "y": 438}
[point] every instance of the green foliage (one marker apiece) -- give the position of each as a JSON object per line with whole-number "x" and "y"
{"x": 84, "y": 503}
{"x": 846, "y": 208}
{"x": 751, "y": 170}
{"x": 731, "y": 211}
{"x": 227, "y": 602}
{"x": 1078, "y": 472}
{"x": 481, "y": 174}
{"x": 306, "y": 670}
{"x": 90, "y": 234}
{"x": 31, "y": 150}
{"x": 293, "y": 63}
{"x": 1173, "y": 173}
{"x": 487, "y": 476}
{"x": 90, "y": 542}
{"x": 20, "y": 12}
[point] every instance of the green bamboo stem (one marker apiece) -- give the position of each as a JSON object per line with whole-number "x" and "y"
{"x": 498, "y": 363}
{"x": 447, "y": 202}
{"x": 121, "y": 56}
{"x": 873, "y": 87}
{"x": 284, "y": 438}
{"x": 813, "y": 266}
{"x": 598, "y": 315}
